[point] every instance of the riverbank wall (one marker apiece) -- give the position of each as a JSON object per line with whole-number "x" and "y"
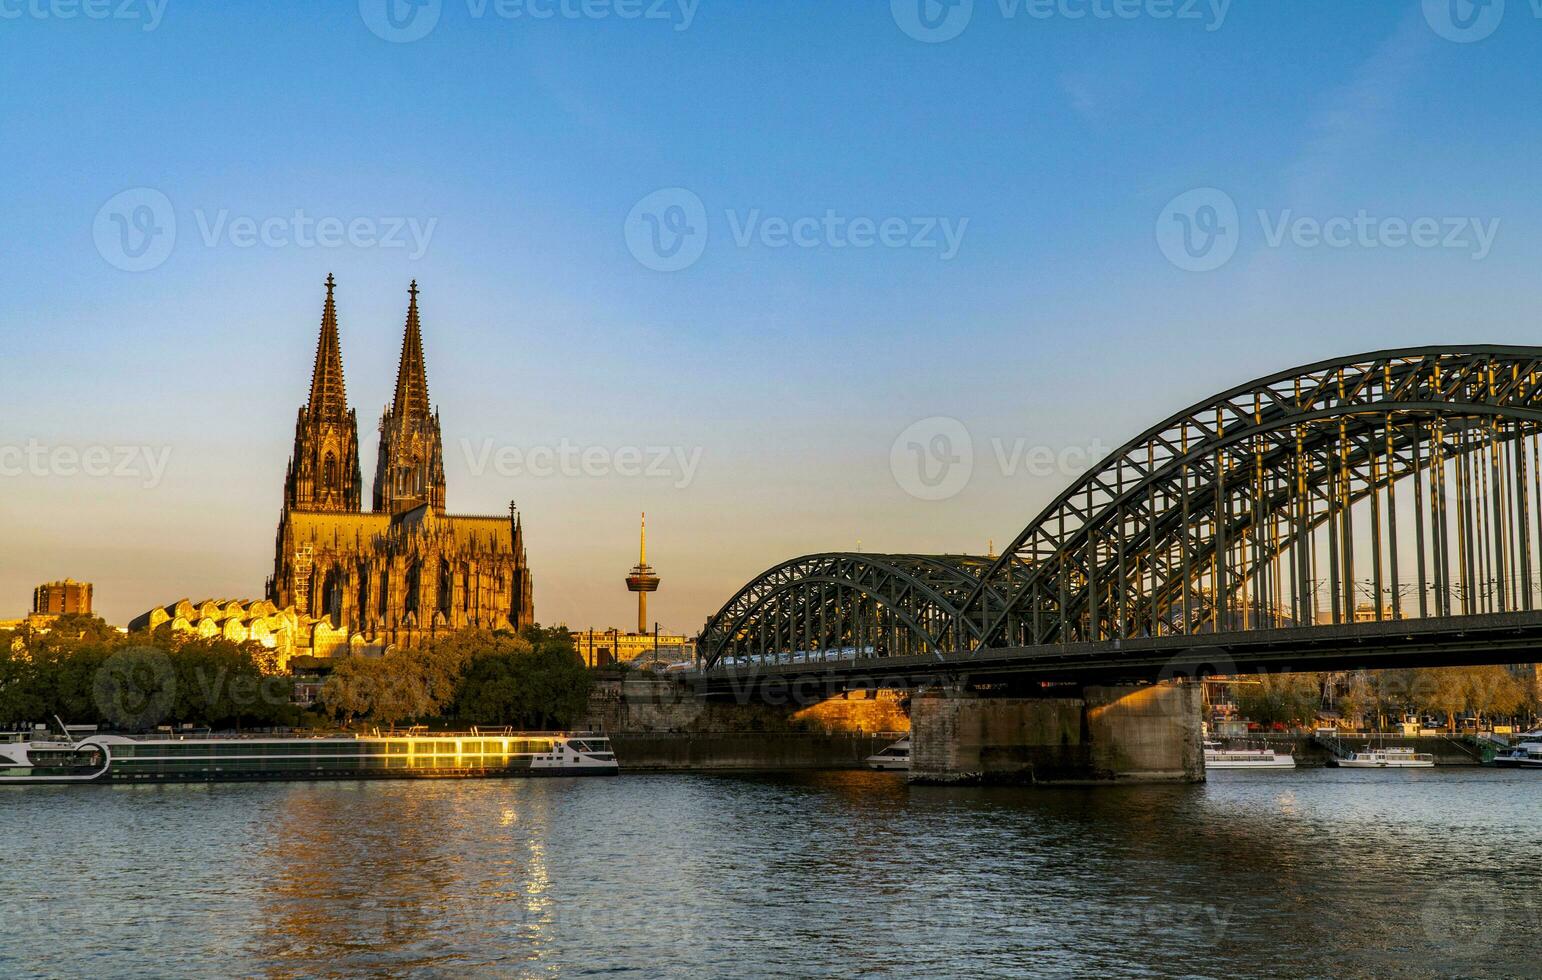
{"x": 1309, "y": 752}
{"x": 659, "y": 725}
{"x": 740, "y": 752}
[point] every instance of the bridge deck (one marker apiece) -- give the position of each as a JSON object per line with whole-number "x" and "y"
{"x": 1434, "y": 642}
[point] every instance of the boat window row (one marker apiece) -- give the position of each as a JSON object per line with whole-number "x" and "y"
{"x": 322, "y": 748}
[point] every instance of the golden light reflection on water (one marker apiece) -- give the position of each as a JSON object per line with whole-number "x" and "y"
{"x": 370, "y": 870}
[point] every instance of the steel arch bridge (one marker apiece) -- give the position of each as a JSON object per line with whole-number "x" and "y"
{"x": 1381, "y": 488}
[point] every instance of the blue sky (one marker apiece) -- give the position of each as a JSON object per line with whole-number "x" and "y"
{"x": 1051, "y": 145}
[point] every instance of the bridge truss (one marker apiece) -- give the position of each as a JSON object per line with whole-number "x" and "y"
{"x": 1385, "y": 486}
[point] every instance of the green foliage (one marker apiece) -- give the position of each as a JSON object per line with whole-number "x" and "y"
{"x": 87, "y": 673}
{"x": 533, "y": 681}
{"x": 1281, "y": 699}
{"x": 528, "y": 680}
{"x": 1492, "y": 692}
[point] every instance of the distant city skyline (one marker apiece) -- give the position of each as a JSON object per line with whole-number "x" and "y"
{"x": 783, "y": 280}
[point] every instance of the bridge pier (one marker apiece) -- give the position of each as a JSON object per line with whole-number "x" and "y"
{"x": 1147, "y": 733}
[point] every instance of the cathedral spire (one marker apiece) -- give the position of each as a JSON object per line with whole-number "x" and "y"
{"x": 410, "y": 468}
{"x": 324, "y": 470}
{"x": 411, "y": 376}
{"x": 329, "y": 396}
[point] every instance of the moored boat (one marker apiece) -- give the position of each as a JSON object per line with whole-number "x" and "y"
{"x": 1388, "y": 758}
{"x": 894, "y": 757}
{"x": 1217, "y": 757}
{"x": 32, "y": 758}
{"x": 1527, "y": 755}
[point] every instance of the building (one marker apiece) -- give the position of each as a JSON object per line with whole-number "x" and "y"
{"x": 62, "y": 598}
{"x": 406, "y": 570}
{"x": 641, "y": 579}
{"x": 286, "y": 632}
{"x": 601, "y": 648}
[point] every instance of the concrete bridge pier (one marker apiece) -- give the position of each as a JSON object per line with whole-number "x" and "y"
{"x": 1148, "y": 733}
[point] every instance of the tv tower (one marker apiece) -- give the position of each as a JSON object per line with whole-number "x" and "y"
{"x": 642, "y": 580}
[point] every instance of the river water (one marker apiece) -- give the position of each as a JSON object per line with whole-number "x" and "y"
{"x": 1315, "y": 872}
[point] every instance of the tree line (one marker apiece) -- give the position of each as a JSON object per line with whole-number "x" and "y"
{"x": 84, "y": 672}
{"x": 531, "y": 680}
{"x": 1374, "y": 698}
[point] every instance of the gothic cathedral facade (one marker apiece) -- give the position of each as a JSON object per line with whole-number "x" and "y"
{"x": 404, "y": 571}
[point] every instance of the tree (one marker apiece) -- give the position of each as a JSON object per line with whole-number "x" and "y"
{"x": 348, "y": 690}
{"x": 1441, "y": 691}
{"x": 1358, "y": 699}
{"x": 1492, "y": 691}
{"x": 1281, "y": 698}
{"x": 534, "y": 681}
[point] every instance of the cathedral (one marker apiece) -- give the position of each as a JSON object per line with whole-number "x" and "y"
{"x": 405, "y": 570}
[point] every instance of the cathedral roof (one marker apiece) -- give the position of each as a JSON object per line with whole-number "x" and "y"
{"x": 411, "y": 376}
{"x": 361, "y": 532}
{"x": 329, "y": 396}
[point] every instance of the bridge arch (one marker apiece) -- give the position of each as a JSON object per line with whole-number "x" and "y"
{"x": 830, "y": 606}
{"x": 1241, "y": 511}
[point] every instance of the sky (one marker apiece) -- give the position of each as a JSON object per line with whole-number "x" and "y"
{"x": 791, "y": 277}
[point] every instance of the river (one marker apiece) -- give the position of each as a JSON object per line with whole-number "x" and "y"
{"x": 1307, "y": 873}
